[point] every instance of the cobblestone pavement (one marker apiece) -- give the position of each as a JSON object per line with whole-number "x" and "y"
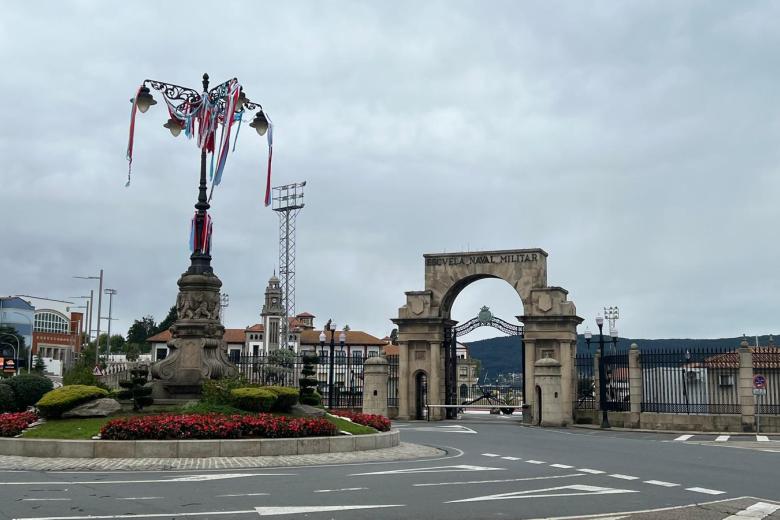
{"x": 404, "y": 451}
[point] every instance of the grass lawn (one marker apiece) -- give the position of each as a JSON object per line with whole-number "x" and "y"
{"x": 350, "y": 427}
{"x": 67, "y": 429}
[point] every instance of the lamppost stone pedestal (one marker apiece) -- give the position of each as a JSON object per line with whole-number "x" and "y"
{"x": 197, "y": 348}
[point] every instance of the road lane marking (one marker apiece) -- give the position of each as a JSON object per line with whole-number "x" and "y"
{"x": 435, "y": 469}
{"x": 491, "y": 455}
{"x": 705, "y": 491}
{"x": 43, "y": 499}
{"x": 188, "y": 478}
{"x": 244, "y": 495}
{"x": 498, "y": 481}
{"x": 563, "y": 466}
{"x": 291, "y": 510}
{"x": 603, "y": 516}
{"x": 762, "y": 438}
{"x": 337, "y": 490}
{"x": 511, "y": 458}
{"x": 140, "y": 498}
{"x": 757, "y": 511}
{"x": 536, "y": 462}
{"x": 722, "y": 438}
{"x": 660, "y": 483}
{"x": 623, "y": 477}
{"x": 591, "y": 471}
{"x": 683, "y": 437}
{"x": 562, "y": 491}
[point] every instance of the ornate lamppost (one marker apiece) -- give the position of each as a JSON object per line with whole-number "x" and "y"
{"x": 602, "y": 369}
{"x": 198, "y": 350}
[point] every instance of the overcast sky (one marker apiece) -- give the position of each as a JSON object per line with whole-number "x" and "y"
{"x": 636, "y": 142}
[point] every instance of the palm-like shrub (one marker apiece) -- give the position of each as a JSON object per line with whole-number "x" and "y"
{"x": 308, "y": 382}
{"x": 136, "y": 389}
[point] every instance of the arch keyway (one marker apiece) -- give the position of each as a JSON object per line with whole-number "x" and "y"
{"x": 485, "y": 318}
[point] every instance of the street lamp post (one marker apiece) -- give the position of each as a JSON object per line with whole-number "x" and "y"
{"x": 100, "y": 304}
{"x": 110, "y": 293}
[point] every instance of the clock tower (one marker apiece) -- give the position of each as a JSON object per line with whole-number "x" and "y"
{"x": 272, "y": 313}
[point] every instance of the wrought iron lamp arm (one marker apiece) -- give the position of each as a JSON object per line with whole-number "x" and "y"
{"x": 173, "y": 92}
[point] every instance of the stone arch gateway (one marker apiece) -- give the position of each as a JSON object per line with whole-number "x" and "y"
{"x": 550, "y": 329}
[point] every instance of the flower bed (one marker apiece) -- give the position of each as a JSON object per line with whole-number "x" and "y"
{"x": 12, "y": 424}
{"x": 213, "y": 426}
{"x": 377, "y": 422}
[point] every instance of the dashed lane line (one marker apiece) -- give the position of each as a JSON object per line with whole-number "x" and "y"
{"x": 591, "y": 471}
{"x": 660, "y": 483}
{"x": 562, "y": 466}
{"x": 705, "y": 491}
{"x": 722, "y": 438}
{"x": 230, "y": 495}
{"x": 140, "y": 498}
{"x": 623, "y": 477}
{"x": 497, "y": 481}
{"x": 513, "y": 458}
{"x": 762, "y": 438}
{"x": 337, "y": 490}
{"x": 491, "y": 455}
{"x": 44, "y": 499}
{"x": 683, "y": 437}
{"x": 536, "y": 462}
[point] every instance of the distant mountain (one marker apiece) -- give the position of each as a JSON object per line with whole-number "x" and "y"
{"x": 502, "y": 355}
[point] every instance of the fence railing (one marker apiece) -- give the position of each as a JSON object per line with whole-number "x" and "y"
{"x": 392, "y": 381}
{"x": 766, "y": 362}
{"x": 585, "y": 398}
{"x": 617, "y": 382}
{"x": 697, "y": 381}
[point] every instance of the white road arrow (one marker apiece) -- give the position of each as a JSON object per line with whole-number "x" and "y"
{"x": 562, "y": 491}
{"x": 292, "y": 510}
{"x": 435, "y": 469}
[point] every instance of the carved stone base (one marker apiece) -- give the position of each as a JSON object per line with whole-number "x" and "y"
{"x": 197, "y": 349}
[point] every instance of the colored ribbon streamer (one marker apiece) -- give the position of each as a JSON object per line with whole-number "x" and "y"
{"x": 131, "y": 137}
{"x": 270, "y": 137}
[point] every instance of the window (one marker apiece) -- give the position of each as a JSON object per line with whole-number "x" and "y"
{"x": 162, "y": 352}
{"x": 48, "y": 321}
{"x": 726, "y": 380}
{"x": 234, "y": 355}
{"x": 373, "y": 353}
{"x": 357, "y": 356}
{"x": 340, "y": 357}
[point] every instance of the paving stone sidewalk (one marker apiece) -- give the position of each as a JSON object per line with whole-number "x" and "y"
{"x": 405, "y": 451}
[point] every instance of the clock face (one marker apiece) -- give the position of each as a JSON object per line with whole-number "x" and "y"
{"x": 274, "y": 300}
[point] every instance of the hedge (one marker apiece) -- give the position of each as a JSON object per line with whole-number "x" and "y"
{"x": 62, "y": 399}
{"x": 213, "y": 426}
{"x": 28, "y": 389}
{"x": 286, "y": 398}
{"x": 7, "y": 399}
{"x": 253, "y": 399}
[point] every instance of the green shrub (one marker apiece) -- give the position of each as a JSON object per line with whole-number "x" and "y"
{"x": 137, "y": 389}
{"x": 62, "y": 399}
{"x": 253, "y": 399}
{"x": 28, "y": 389}
{"x": 82, "y": 375}
{"x": 217, "y": 391}
{"x": 286, "y": 398}
{"x": 7, "y": 399}
{"x": 308, "y": 382}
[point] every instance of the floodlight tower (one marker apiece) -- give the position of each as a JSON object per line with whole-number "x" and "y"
{"x": 287, "y": 202}
{"x": 612, "y": 314}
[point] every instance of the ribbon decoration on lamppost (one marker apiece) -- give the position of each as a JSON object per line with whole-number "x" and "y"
{"x": 201, "y": 115}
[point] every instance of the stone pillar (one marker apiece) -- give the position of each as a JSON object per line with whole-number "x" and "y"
{"x": 634, "y": 386}
{"x": 375, "y": 374}
{"x": 746, "y": 399}
{"x": 404, "y": 398}
{"x": 529, "y": 392}
{"x": 547, "y": 375}
{"x": 436, "y": 388}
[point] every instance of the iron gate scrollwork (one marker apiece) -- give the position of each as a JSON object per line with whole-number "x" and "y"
{"x": 484, "y": 319}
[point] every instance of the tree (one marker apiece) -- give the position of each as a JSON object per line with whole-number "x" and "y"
{"x": 132, "y": 351}
{"x": 141, "y": 329}
{"x": 308, "y": 382}
{"x": 39, "y": 367}
{"x": 117, "y": 343}
{"x": 169, "y": 320}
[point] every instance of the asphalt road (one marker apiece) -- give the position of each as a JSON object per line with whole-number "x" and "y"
{"x": 494, "y": 468}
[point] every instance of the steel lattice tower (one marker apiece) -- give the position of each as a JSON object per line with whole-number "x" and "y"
{"x": 287, "y": 202}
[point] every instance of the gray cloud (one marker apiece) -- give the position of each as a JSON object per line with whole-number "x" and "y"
{"x": 634, "y": 142}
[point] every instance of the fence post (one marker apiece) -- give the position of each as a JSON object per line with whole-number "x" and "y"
{"x": 634, "y": 386}
{"x": 375, "y": 374}
{"x": 746, "y": 400}
{"x": 596, "y": 382}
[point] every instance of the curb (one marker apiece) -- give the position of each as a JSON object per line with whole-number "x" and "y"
{"x": 192, "y": 449}
{"x": 679, "y": 432}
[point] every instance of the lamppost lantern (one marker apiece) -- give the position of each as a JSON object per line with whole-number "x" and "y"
{"x": 587, "y": 334}
{"x": 174, "y": 126}
{"x": 599, "y": 321}
{"x": 144, "y": 99}
{"x": 342, "y": 338}
{"x": 260, "y": 123}
{"x": 322, "y": 338}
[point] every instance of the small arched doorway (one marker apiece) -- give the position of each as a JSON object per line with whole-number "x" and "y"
{"x": 538, "y": 406}
{"x": 420, "y": 395}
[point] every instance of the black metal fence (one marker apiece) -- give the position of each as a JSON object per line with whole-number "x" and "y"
{"x": 766, "y": 362}
{"x": 392, "y": 380}
{"x": 697, "y": 381}
{"x": 617, "y": 382}
{"x": 585, "y": 398}
{"x": 491, "y": 394}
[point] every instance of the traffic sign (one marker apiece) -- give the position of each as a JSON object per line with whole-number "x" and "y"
{"x": 759, "y": 381}
{"x": 97, "y": 371}
{"x": 759, "y": 391}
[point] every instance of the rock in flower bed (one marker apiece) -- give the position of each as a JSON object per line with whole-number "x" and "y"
{"x": 214, "y": 426}
{"x": 12, "y": 424}
{"x": 377, "y": 422}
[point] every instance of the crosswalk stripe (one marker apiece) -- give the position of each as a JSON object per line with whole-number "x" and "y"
{"x": 723, "y": 438}
{"x": 705, "y": 491}
{"x": 683, "y": 437}
{"x": 623, "y": 477}
{"x": 660, "y": 483}
{"x": 762, "y": 438}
